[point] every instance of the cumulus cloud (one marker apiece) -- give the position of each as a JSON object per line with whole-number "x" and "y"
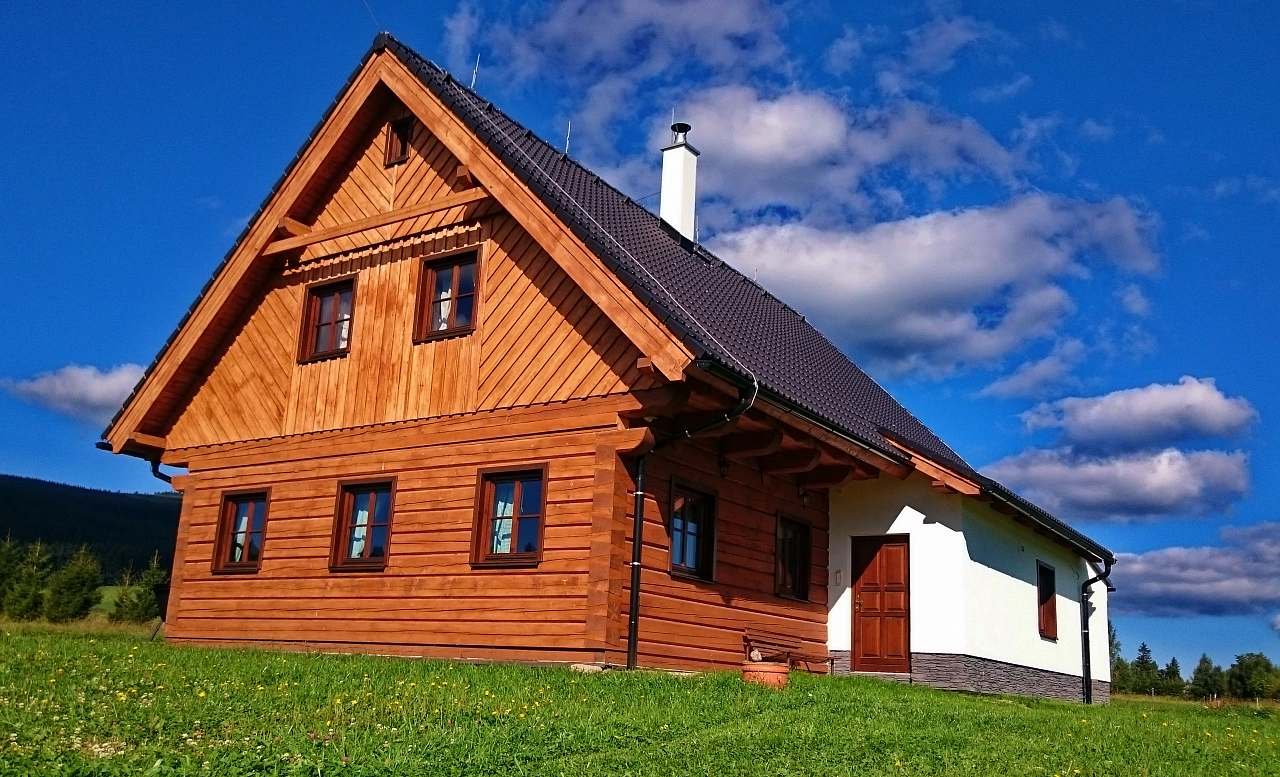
{"x": 460, "y": 28}
{"x": 1153, "y": 415}
{"x": 804, "y": 148}
{"x": 1241, "y": 576}
{"x": 928, "y": 294}
{"x": 844, "y": 52}
{"x": 1140, "y": 485}
{"x": 79, "y": 391}
{"x": 931, "y": 49}
{"x": 1034, "y": 378}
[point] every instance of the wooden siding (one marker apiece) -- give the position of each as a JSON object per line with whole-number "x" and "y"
{"x": 428, "y": 600}
{"x": 537, "y": 339}
{"x": 686, "y": 624}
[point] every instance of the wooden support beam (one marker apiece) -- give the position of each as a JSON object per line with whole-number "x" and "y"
{"x": 375, "y": 221}
{"x": 462, "y": 178}
{"x": 744, "y": 446}
{"x": 790, "y": 462}
{"x": 293, "y": 227}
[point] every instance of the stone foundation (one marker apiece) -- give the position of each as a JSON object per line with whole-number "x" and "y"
{"x": 984, "y": 675}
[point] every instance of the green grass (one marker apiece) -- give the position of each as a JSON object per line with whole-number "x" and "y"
{"x": 80, "y": 703}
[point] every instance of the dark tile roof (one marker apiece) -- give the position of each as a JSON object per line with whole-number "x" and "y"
{"x": 723, "y": 315}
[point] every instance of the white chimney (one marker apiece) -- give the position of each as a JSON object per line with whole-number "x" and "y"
{"x": 679, "y": 182}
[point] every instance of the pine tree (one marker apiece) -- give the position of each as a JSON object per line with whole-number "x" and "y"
{"x": 1144, "y": 671}
{"x": 1207, "y": 681}
{"x": 1121, "y": 680}
{"x": 137, "y": 600}
{"x": 25, "y": 598}
{"x": 10, "y": 560}
{"x": 1171, "y": 682}
{"x": 73, "y": 589}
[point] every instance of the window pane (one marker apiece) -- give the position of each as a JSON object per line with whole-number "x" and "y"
{"x": 501, "y": 542}
{"x": 321, "y": 343}
{"x": 691, "y": 550}
{"x": 359, "y": 525}
{"x": 326, "y": 308}
{"x": 467, "y": 278}
{"x": 444, "y": 284}
{"x": 465, "y": 304}
{"x": 255, "y": 546}
{"x": 440, "y": 316}
{"x": 677, "y": 540}
{"x": 382, "y": 507}
{"x": 503, "y": 499}
{"x": 344, "y": 333}
{"x": 530, "y": 497}
{"x": 240, "y": 530}
{"x": 378, "y": 541}
{"x": 529, "y": 535}
{"x": 344, "y": 306}
{"x": 259, "y": 514}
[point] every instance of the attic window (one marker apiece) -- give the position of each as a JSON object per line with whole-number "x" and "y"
{"x": 327, "y": 320}
{"x": 447, "y": 297}
{"x": 399, "y": 133}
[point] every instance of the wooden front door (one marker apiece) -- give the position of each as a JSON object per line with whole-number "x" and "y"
{"x": 881, "y": 604}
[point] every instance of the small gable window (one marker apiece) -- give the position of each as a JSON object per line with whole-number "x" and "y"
{"x": 327, "y": 320}
{"x": 791, "y": 574}
{"x": 399, "y": 137}
{"x": 241, "y": 529}
{"x": 362, "y": 528}
{"x": 1047, "y": 600}
{"x": 447, "y": 297}
{"x": 693, "y": 516}
{"x": 511, "y": 516}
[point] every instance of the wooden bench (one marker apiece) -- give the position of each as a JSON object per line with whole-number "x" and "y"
{"x": 760, "y": 645}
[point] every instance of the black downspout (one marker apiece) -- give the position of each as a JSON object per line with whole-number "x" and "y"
{"x": 745, "y": 402}
{"x": 155, "y": 471}
{"x": 1086, "y": 664}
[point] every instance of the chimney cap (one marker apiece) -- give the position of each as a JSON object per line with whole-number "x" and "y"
{"x": 679, "y": 129}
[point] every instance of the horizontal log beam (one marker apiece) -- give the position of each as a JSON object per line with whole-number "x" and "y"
{"x": 790, "y": 462}
{"x": 293, "y": 227}
{"x": 827, "y": 477}
{"x": 744, "y": 446}
{"x": 375, "y": 221}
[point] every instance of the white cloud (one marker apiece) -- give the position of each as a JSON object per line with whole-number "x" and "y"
{"x": 844, "y": 52}
{"x": 1034, "y": 378}
{"x": 1261, "y": 188}
{"x": 460, "y": 28}
{"x": 1153, "y": 415}
{"x": 1275, "y": 623}
{"x": 928, "y": 294}
{"x": 1129, "y": 486}
{"x": 1239, "y": 577}
{"x": 1092, "y": 129}
{"x": 1134, "y": 300}
{"x": 79, "y": 391}
{"x": 1003, "y": 91}
{"x": 804, "y": 149}
{"x": 931, "y": 49}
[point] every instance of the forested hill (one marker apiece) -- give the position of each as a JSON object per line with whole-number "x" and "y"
{"x": 120, "y": 528}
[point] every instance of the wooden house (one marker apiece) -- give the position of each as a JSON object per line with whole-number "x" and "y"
{"x": 447, "y": 376}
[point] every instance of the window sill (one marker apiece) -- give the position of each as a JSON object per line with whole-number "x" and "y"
{"x": 1047, "y": 638}
{"x": 791, "y": 597}
{"x": 351, "y": 567}
{"x": 236, "y": 570}
{"x": 692, "y": 577}
{"x": 506, "y": 563}
{"x": 324, "y": 357}
{"x": 444, "y": 334}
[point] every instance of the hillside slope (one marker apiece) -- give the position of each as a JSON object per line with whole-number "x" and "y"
{"x": 121, "y": 528}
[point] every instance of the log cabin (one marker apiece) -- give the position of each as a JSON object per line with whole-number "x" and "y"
{"x": 450, "y": 394}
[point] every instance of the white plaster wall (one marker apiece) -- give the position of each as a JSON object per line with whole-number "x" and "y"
{"x": 973, "y": 577}
{"x": 937, "y": 557}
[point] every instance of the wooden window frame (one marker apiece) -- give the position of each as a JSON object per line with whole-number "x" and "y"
{"x": 399, "y": 131}
{"x": 222, "y": 541}
{"x": 806, "y": 560}
{"x": 1047, "y": 611}
{"x": 338, "y": 561}
{"x": 311, "y": 309}
{"x": 482, "y": 525}
{"x": 427, "y": 270}
{"x": 705, "y": 571}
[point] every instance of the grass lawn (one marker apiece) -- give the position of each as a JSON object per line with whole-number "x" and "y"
{"x": 113, "y": 703}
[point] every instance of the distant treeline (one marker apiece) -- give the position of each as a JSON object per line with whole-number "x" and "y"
{"x": 122, "y": 530}
{"x": 1252, "y": 676}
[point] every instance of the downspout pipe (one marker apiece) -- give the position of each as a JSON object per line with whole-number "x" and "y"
{"x": 745, "y": 400}
{"x": 156, "y": 473}
{"x": 1086, "y": 663}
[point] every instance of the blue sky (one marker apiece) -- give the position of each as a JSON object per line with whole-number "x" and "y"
{"x": 1051, "y": 236}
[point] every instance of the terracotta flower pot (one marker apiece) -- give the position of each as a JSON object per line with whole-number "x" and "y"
{"x": 770, "y": 674}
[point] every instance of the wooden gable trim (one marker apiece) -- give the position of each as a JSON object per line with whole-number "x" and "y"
{"x": 943, "y": 478}
{"x": 244, "y": 266}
